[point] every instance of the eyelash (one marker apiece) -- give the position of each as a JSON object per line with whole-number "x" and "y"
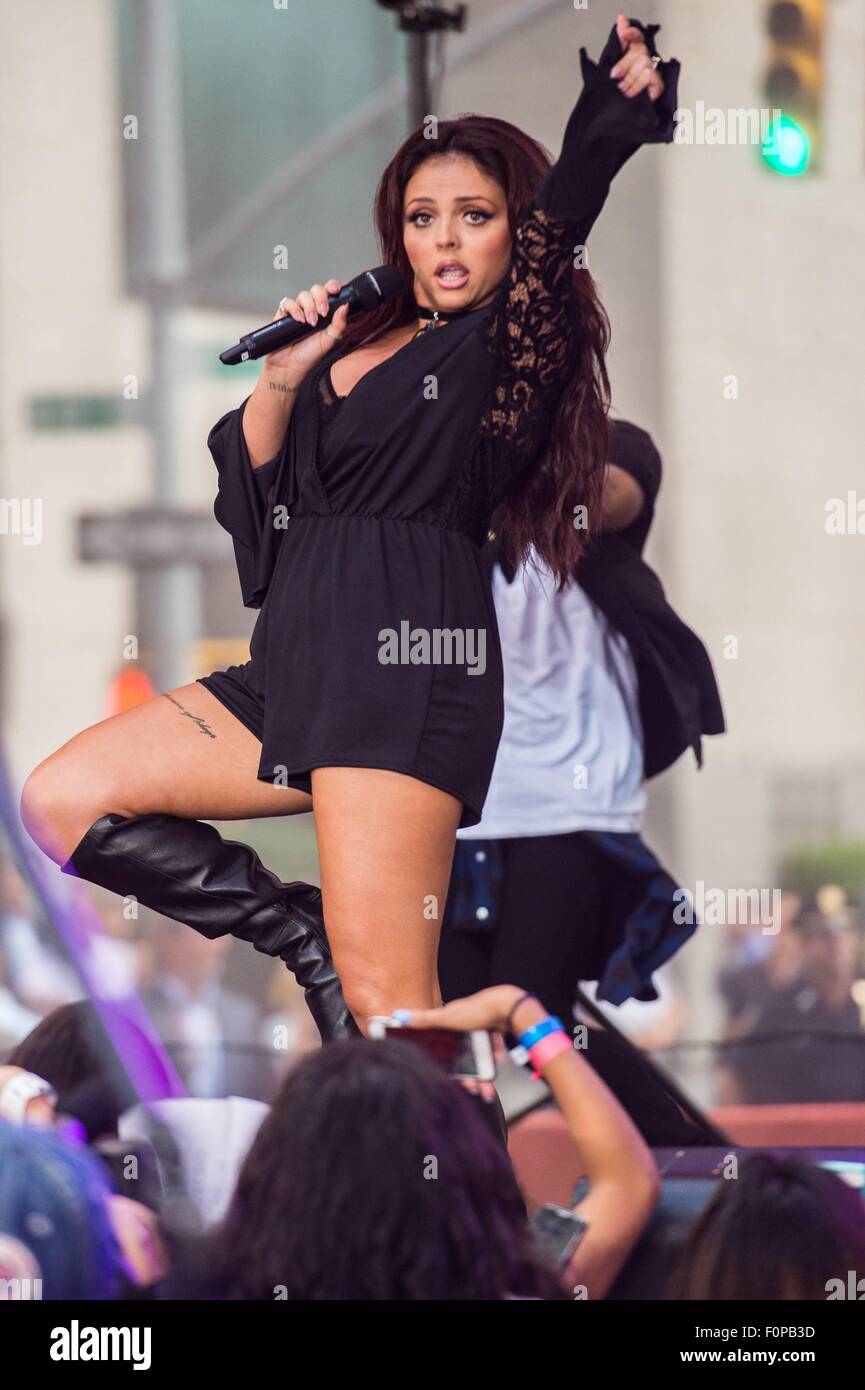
{"x": 478, "y": 212}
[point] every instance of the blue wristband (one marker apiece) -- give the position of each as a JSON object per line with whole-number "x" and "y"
{"x": 540, "y": 1030}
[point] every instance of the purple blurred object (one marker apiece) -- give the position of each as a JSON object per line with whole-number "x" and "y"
{"x": 130, "y": 1029}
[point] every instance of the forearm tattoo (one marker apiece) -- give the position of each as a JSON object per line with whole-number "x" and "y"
{"x": 196, "y": 718}
{"x": 282, "y": 386}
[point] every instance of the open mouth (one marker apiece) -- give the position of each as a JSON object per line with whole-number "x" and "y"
{"x": 451, "y": 275}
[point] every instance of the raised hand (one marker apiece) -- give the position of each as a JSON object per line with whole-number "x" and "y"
{"x": 634, "y": 72}
{"x": 309, "y": 306}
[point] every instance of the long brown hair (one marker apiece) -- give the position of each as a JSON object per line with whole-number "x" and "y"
{"x": 785, "y": 1229}
{"x": 539, "y": 511}
{"x": 373, "y": 1176}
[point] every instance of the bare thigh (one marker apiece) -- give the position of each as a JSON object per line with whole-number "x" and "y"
{"x": 385, "y": 848}
{"x": 181, "y": 753}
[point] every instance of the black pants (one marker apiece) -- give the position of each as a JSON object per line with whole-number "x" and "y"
{"x": 553, "y": 924}
{"x": 558, "y": 915}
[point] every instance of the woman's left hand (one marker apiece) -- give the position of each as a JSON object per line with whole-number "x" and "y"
{"x": 634, "y": 72}
{"x": 136, "y": 1228}
{"x": 487, "y": 1010}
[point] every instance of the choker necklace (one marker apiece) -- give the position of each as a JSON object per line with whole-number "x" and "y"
{"x": 424, "y": 313}
{"x": 437, "y": 316}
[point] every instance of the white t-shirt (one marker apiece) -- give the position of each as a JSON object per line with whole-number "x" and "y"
{"x": 571, "y": 751}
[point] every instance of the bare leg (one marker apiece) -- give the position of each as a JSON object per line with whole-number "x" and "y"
{"x": 386, "y": 844}
{"x": 181, "y": 753}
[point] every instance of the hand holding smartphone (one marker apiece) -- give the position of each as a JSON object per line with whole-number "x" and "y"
{"x": 461, "y": 1054}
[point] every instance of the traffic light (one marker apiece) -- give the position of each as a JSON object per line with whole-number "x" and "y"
{"x": 793, "y": 85}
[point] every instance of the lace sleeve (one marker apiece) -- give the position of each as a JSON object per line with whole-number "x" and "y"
{"x": 533, "y": 331}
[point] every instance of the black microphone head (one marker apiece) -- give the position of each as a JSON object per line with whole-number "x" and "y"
{"x": 232, "y": 355}
{"x": 375, "y": 287}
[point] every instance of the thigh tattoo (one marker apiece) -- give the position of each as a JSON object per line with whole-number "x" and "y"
{"x": 196, "y": 718}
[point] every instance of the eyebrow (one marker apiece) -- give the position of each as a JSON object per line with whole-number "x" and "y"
{"x": 465, "y": 198}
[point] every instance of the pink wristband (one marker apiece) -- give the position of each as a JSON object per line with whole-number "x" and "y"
{"x": 550, "y": 1046}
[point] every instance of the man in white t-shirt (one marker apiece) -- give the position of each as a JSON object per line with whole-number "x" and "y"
{"x": 604, "y": 686}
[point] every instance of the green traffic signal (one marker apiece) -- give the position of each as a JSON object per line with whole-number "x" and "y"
{"x": 787, "y": 148}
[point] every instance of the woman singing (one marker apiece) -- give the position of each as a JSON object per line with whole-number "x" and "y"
{"x": 358, "y": 482}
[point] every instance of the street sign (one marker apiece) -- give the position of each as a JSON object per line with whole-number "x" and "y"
{"x": 78, "y": 412}
{"x": 152, "y": 536}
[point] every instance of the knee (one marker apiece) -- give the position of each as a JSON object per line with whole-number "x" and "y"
{"x": 33, "y": 795}
{"x": 362, "y": 1001}
{"x": 54, "y": 805}
{"x": 369, "y": 995}
{"x": 39, "y": 807}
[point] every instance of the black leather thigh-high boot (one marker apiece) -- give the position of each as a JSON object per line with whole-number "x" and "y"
{"x": 185, "y": 870}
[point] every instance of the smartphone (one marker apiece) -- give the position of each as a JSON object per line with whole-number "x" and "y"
{"x": 558, "y": 1231}
{"x": 461, "y": 1054}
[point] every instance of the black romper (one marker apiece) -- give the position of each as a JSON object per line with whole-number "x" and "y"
{"x": 376, "y": 644}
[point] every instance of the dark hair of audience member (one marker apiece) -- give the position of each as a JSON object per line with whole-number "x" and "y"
{"x": 781, "y": 1230}
{"x": 374, "y": 1177}
{"x": 68, "y": 1049}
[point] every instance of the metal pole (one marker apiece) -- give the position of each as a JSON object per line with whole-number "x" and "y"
{"x": 167, "y": 598}
{"x": 228, "y": 231}
{"x": 419, "y": 83}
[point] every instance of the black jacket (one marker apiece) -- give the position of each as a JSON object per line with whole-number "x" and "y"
{"x": 678, "y": 693}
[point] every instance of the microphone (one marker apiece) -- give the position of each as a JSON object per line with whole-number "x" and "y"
{"x": 366, "y": 291}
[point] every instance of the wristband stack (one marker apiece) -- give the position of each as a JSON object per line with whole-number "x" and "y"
{"x": 540, "y": 1044}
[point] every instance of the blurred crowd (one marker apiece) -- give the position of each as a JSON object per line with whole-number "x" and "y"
{"x": 793, "y": 999}
{"x": 795, "y": 1005}
{"x": 222, "y": 1039}
{"x": 374, "y": 1174}
{"x": 293, "y": 1172}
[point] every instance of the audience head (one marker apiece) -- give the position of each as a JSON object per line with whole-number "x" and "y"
{"x": 54, "y": 1219}
{"x": 783, "y": 1229}
{"x": 374, "y": 1177}
{"x": 69, "y": 1049}
{"x": 829, "y": 950}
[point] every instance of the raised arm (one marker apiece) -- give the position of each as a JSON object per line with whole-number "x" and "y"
{"x": 626, "y": 102}
{"x": 248, "y": 444}
{"x": 534, "y": 329}
{"x": 622, "y": 1176}
{"x": 270, "y": 407}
